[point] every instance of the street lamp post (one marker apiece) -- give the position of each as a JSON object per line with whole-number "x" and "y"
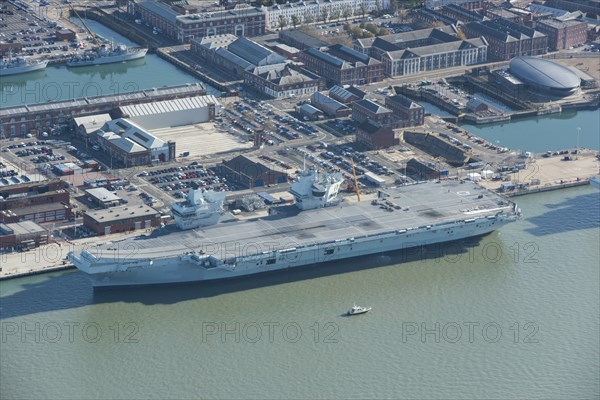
{"x": 577, "y": 154}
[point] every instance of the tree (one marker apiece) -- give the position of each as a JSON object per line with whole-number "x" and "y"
{"x": 364, "y": 7}
{"x": 324, "y": 14}
{"x": 308, "y": 17}
{"x": 282, "y": 22}
{"x": 295, "y": 20}
{"x": 378, "y": 7}
{"x": 334, "y": 14}
{"x": 346, "y": 11}
{"x": 393, "y": 6}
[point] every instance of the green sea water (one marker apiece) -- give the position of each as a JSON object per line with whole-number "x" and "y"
{"x": 511, "y": 315}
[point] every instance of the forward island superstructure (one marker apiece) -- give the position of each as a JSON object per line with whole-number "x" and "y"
{"x": 320, "y": 227}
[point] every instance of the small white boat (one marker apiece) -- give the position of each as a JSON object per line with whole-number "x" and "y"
{"x": 355, "y": 310}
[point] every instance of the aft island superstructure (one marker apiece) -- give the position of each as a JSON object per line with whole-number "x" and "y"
{"x": 320, "y": 227}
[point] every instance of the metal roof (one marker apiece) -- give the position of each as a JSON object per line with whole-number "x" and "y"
{"x": 21, "y": 228}
{"x": 351, "y": 53}
{"x": 121, "y": 213}
{"x": 161, "y": 9}
{"x": 102, "y": 194}
{"x": 166, "y": 106}
{"x": 403, "y": 100}
{"x": 253, "y": 52}
{"x": 340, "y": 92}
{"x": 233, "y": 58}
{"x": 326, "y": 103}
{"x": 92, "y": 122}
{"x": 544, "y": 73}
{"x": 133, "y": 132}
{"x": 328, "y": 58}
{"x": 372, "y": 106}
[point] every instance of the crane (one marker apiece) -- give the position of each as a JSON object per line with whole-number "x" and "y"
{"x": 355, "y": 181}
{"x": 85, "y": 26}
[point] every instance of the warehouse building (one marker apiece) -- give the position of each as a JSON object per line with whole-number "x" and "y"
{"x": 346, "y": 95}
{"x": 101, "y": 197}
{"x": 374, "y": 136}
{"x": 300, "y": 40}
{"x": 177, "y": 112}
{"x": 50, "y": 212}
{"x": 45, "y": 201}
{"x": 342, "y": 65}
{"x": 329, "y": 106}
{"x": 121, "y": 219}
{"x": 129, "y": 145}
{"x": 250, "y": 173}
{"x": 85, "y": 125}
{"x": 22, "y": 236}
{"x": 233, "y": 54}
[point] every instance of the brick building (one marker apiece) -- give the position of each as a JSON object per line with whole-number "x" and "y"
{"x": 129, "y": 145}
{"x": 45, "y": 201}
{"x": 22, "y": 236}
{"x": 342, "y": 65}
{"x": 329, "y": 106}
{"x": 250, "y": 173}
{"x": 507, "y": 39}
{"x": 346, "y": 95}
{"x": 563, "y": 34}
{"x": 282, "y": 81}
{"x": 367, "y": 109}
{"x": 174, "y": 23}
{"x": 121, "y": 219}
{"x": 374, "y": 136}
{"x": 48, "y": 212}
{"x": 408, "y": 112}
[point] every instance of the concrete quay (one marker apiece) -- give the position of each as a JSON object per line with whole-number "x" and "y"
{"x": 50, "y": 257}
{"x": 543, "y": 174}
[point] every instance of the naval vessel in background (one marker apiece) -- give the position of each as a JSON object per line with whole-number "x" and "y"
{"x": 107, "y": 54}
{"x": 10, "y": 65}
{"x": 319, "y": 227}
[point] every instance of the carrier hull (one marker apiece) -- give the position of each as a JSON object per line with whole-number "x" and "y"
{"x": 430, "y": 213}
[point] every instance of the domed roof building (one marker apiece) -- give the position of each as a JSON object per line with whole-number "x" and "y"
{"x": 544, "y": 75}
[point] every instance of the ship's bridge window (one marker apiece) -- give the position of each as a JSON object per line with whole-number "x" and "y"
{"x": 270, "y": 261}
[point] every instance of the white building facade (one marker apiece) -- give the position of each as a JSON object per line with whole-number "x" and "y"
{"x": 429, "y": 58}
{"x": 314, "y": 10}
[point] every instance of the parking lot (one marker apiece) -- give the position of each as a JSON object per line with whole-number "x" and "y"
{"x": 176, "y": 181}
{"x": 33, "y": 26}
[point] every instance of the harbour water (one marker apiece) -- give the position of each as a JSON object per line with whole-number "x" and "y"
{"x": 540, "y": 134}
{"x": 514, "y": 314}
{"x": 61, "y": 83}
{"x": 511, "y": 315}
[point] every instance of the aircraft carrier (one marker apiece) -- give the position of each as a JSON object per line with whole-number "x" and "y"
{"x": 320, "y": 227}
